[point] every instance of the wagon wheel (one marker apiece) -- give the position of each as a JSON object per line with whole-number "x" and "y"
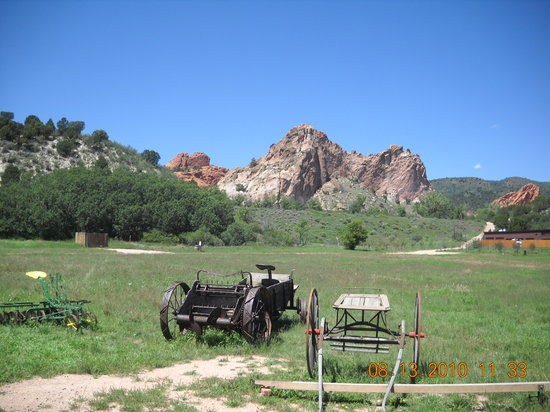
{"x": 256, "y": 320}
{"x": 302, "y": 309}
{"x": 41, "y": 315}
{"x": 312, "y": 330}
{"x": 172, "y": 301}
{"x": 417, "y": 331}
{"x": 88, "y": 319}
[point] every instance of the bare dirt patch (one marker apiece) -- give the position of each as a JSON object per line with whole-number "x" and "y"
{"x": 62, "y": 393}
{"x": 140, "y": 251}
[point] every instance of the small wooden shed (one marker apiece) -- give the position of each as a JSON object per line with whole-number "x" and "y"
{"x": 89, "y": 239}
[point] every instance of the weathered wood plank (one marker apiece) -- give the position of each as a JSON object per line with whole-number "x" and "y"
{"x": 409, "y": 388}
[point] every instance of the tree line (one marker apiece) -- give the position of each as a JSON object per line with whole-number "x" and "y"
{"x": 67, "y": 132}
{"x": 534, "y": 215}
{"x": 121, "y": 203}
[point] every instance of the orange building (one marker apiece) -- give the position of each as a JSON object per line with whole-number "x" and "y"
{"x": 525, "y": 239}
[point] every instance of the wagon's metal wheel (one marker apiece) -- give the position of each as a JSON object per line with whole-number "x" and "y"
{"x": 89, "y": 319}
{"x": 41, "y": 315}
{"x": 172, "y": 301}
{"x": 312, "y": 332}
{"x": 417, "y": 331}
{"x": 32, "y": 315}
{"x": 256, "y": 320}
{"x": 302, "y": 309}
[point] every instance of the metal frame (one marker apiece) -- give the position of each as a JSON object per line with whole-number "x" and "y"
{"x": 56, "y": 306}
{"x": 248, "y": 306}
{"x": 360, "y": 327}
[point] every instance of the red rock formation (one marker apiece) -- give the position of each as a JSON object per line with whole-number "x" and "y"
{"x": 305, "y": 160}
{"x": 395, "y": 173}
{"x": 196, "y": 168}
{"x": 183, "y": 161}
{"x": 526, "y": 194}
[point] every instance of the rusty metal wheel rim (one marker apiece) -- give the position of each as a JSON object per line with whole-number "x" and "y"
{"x": 417, "y": 331}
{"x": 312, "y": 325}
{"x": 172, "y": 301}
{"x": 256, "y": 320}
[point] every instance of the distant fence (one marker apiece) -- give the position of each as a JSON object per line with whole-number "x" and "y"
{"x": 88, "y": 239}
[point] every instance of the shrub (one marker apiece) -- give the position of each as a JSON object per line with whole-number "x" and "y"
{"x": 274, "y": 237}
{"x": 353, "y": 234}
{"x": 238, "y": 233}
{"x": 156, "y": 236}
{"x": 314, "y": 204}
{"x": 65, "y": 147}
{"x": 200, "y": 235}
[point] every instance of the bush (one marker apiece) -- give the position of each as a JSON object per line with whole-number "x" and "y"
{"x": 274, "y": 237}
{"x": 65, "y": 147}
{"x": 156, "y": 236}
{"x": 200, "y": 235}
{"x": 353, "y": 234}
{"x": 238, "y": 233}
{"x": 314, "y": 204}
{"x": 357, "y": 205}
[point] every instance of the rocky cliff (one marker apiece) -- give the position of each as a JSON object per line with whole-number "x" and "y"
{"x": 526, "y": 194}
{"x": 306, "y": 164}
{"x": 196, "y": 168}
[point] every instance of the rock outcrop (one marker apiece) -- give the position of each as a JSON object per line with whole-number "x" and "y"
{"x": 526, "y": 194}
{"x": 305, "y": 163}
{"x": 196, "y": 168}
{"x": 395, "y": 173}
{"x": 296, "y": 167}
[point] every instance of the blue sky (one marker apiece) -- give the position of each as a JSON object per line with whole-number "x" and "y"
{"x": 463, "y": 84}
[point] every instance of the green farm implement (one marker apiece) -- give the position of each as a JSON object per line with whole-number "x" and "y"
{"x": 56, "y": 306}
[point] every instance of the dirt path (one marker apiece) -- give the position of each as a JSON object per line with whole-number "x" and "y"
{"x": 60, "y": 392}
{"x": 489, "y": 226}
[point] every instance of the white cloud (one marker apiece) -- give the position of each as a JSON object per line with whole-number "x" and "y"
{"x": 495, "y": 126}
{"x": 477, "y": 166}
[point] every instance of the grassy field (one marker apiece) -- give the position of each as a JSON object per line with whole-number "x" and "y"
{"x": 478, "y": 307}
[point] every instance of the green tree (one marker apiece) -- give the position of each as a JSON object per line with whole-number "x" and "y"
{"x": 11, "y": 174}
{"x": 357, "y": 204}
{"x": 33, "y": 127}
{"x": 435, "y": 204}
{"x": 238, "y": 233}
{"x": 74, "y": 129}
{"x": 302, "y": 229}
{"x": 65, "y": 147}
{"x": 101, "y": 163}
{"x": 314, "y": 204}
{"x": 151, "y": 156}
{"x": 99, "y": 136}
{"x": 49, "y": 128}
{"x": 62, "y": 125}
{"x": 353, "y": 234}
{"x": 7, "y": 116}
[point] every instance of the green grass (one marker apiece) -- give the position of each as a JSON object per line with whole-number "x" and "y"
{"x": 478, "y": 307}
{"x": 385, "y": 232}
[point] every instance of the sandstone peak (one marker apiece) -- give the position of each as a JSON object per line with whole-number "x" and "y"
{"x": 526, "y": 194}
{"x": 305, "y": 160}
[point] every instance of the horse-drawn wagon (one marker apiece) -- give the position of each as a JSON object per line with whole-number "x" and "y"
{"x": 249, "y": 305}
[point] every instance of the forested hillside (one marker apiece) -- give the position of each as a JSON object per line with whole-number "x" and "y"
{"x": 121, "y": 203}
{"x": 474, "y": 193}
{"x": 35, "y": 147}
